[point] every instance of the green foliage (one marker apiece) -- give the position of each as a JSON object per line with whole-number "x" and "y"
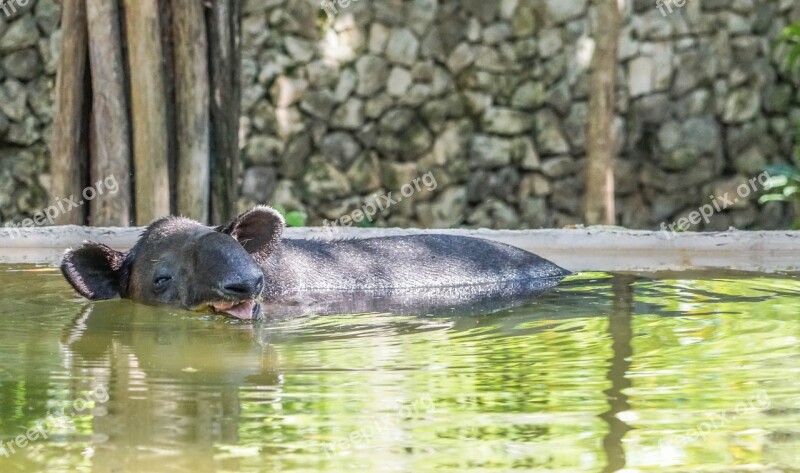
{"x": 293, "y": 218}
{"x": 784, "y": 182}
{"x": 791, "y": 38}
{"x": 783, "y": 185}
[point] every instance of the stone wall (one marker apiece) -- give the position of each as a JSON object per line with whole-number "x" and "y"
{"x": 489, "y": 96}
{"x": 29, "y": 39}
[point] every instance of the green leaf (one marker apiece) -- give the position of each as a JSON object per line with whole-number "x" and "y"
{"x": 771, "y": 198}
{"x": 296, "y": 219}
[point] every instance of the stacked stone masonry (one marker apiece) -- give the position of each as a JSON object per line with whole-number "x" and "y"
{"x": 343, "y": 104}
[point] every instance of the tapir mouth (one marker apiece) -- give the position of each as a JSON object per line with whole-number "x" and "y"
{"x": 242, "y": 310}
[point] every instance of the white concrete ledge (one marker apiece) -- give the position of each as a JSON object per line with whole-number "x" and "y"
{"x": 587, "y": 249}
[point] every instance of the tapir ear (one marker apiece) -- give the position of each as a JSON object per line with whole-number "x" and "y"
{"x": 258, "y": 230}
{"x": 94, "y": 270}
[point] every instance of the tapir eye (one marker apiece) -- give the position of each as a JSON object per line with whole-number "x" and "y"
{"x": 161, "y": 281}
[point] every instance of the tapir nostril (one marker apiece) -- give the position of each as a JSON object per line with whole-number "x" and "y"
{"x": 250, "y": 287}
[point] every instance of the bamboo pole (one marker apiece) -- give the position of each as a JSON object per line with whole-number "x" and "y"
{"x": 224, "y": 58}
{"x": 69, "y": 157}
{"x": 111, "y": 140}
{"x": 598, "y": 199}
{"x": 148, "y": 110}
{"x": 192, "y": 103}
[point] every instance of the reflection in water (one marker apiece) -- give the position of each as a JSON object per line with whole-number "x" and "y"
{"x": 151, "y": 370}
{"x": 592, "y": 376}
{"x": 621, "y": 332}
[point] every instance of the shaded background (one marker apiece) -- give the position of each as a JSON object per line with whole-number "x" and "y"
{"x": 489, "y": 96}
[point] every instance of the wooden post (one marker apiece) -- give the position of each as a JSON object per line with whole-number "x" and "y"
{"x": 148, "y": 110}
{"x": 111, "y": 140}
{"x": 224, "y": 41}
{"x": 192, "y": 104}
{"x": 598, "y": 201}
{"x": 69, "y": 154}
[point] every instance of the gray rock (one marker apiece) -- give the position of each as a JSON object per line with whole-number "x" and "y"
{"x": 378, "y": 37}
{"x": 525, "y": 155}
{"x": 349, "y": 115}
{"x": 399, "y": 82}
{"x": 534, "y": 213}
{"x": 377, "y": 106}
{"x": 777, "y": 98}
{"x": 293, "y": 160}
{"x": 348, "y": 81}
{"x": 494, "y": 214}
{"x": 563, "y": 196}
{"x": 321, "y": 73}
{"x": 751, "y": 162}
{"x": 461, "y": 58}
{"x": 575, "y": 125}
{"x": 259, "y": 183}
{"x": 365, "y": 173}
{"x": 322, "y": 182}
{"x": 396, "y": 175}
{"x": 4, "y": 124}
{"x": 524, "y": 21}
{"x": 550, "y": 42}
{"x": 549, "y": 137}
{"x": 558, "y": 167}
{"x": 41, "y": 96}
{"x": 21, "y": 33}
{"x": 446, "y": 211}
{"x": 262, "y": 149}
{"x": 319, "y": 104}
{"x": 497, "y": 33}
{"x": 490, "y": 152}
{"x": 340, "y": 148}
{"x": 48, "y": 15}
{"x": 559, "y": 11}
{"x": 24, "y": 64}
{"x": 25, "y": 133}
{"x": 403, "y": 47}
{"x": 741, "y": 105}
{"x": 534, "y": 185}
{"x": 528, "y": 96}
{"x": 452, "y": 143}
{"x": 373, "y": 72}
{"x": 13, "y": 99}
{"x": 506, "y": 121}
{"x": 287, "y": 91}
{"x": 300, "y": 50}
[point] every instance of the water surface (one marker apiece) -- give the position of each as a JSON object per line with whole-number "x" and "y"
{"x": 684, "y": 372}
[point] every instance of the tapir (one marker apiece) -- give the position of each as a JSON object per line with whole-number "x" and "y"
{"x": 235, "y": 268}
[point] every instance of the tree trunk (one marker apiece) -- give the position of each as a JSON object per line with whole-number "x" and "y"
{"x": 224, "y": 43}
{"x": 192, "y": 109}
{"x": 148, "y": 110}
{"x": 71, "y": 122}
{"x": 598, "y": 204}
{"x": 111, "y": 145}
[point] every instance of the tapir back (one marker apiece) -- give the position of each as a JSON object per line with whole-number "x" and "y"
{"x": 405, "y": 263}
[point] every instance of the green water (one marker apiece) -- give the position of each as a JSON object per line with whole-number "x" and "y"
{"x": 606, "y": 373}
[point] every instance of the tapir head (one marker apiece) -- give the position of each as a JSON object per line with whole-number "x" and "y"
{"x": 182, "y": 263}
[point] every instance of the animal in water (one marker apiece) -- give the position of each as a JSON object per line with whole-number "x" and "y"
{"x": 237, "y": 268}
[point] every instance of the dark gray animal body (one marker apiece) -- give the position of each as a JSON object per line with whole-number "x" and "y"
{"x": 183, "y": 263}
